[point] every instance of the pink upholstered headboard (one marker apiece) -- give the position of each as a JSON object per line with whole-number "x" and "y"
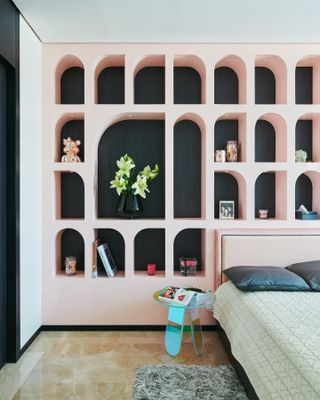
{"x": 264, "y": 247}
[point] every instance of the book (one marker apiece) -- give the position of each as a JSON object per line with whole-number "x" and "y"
{"x": 107, "y": 260}
{"x": 95, "y": 245}
{"x": 176, "y": 295}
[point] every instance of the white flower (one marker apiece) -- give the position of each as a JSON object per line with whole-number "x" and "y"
{"x": 148, "y": 173}
{"x": 119, "y": 184}
{"x": 125, "y": 165}
{"x": 141, "y": 186}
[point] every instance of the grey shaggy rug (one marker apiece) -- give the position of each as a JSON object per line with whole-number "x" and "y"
{"x": 180, "y": 382}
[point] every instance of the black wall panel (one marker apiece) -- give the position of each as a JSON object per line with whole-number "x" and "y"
{"x": 225, "y": 188}
{"x": 149, "y": 248}
{"x": 265, "y": 142}
{"x": 304, "y": 192}
{"x": 224, "y": 130}
{"x": 265, "y": 194}
{"x": 304, "y": 90}
{"x": 72, "y": 244}
{"x": 188, "y": 244}
{"x": 72, "y": 86}
{"x": 72, "y": 195}
{"x": 111, "y": 86}
{"x": 116, "y": 245}
{"x": 75, "y": 130}
{"x": 143, "y": 140}
{"x": 265, "y": 86}
{"x": 149, "y": 86}
{"x": 226, "y": 86}
{"x": 187, "y": 86}
{"x": 187, "y": 170}
{"x": 304, "y": 137}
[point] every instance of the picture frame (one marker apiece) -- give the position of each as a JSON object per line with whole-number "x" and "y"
{"x": 226, "y": 209}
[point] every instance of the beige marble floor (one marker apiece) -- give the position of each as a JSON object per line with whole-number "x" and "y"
{"x": 94, "y": 365}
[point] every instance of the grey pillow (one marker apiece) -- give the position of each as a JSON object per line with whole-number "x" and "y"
{"x": 309, "y": 271}
{"x": 249, "y": 278}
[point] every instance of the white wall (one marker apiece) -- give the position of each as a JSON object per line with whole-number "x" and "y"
{"x": 30, "y": 182}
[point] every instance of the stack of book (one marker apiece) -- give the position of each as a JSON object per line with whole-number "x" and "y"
{"x": 106, "y": 259}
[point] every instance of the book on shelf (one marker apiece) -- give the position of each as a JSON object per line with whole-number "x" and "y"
{"x": 107, "y": 259}
{"x": 95, "y": 245}
{"x": 176, "y": 295}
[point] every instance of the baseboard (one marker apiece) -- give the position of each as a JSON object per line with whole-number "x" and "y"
{"x": 29, "y": 342}
{"x": 114, "y": 327}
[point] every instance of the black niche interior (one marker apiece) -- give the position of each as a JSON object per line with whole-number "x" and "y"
{"x": 224, "y": 130}
{"x": 225, "y": 188}
{"x": 149, "y": 248}
{"x": 111, "y": 86}
{"x": 149, "y": 86}
{"x": 304, "y": 90}
{"x": 75, "y": 130}
{"x": 72, "y": 244}
{"x": 304, "y": 192}
{"x": 72, "y": 195}
{"x": 143, "y": 140}
{"x": 265, "y": 194}
{"x": 265, "y": 86}
{"x": 226, "y": 86}
{"x": 304, "y": 136}
{"x": 187, "y": 243}
{"x": 187, "y": 170}
{"x": 116, "y": 245}
{"x": 265, "y": 142}
{"x": 72, "y": 86}
{"x": 187, "y": 86}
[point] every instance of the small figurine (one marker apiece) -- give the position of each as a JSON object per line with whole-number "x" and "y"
{"x": 71, "y": 149}
{"x": 301, "y": 156}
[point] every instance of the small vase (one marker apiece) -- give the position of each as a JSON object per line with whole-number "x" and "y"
{"x": 130, "y": 206}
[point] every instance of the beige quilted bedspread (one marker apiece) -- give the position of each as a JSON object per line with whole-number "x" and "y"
{"x": 276, "y": 338}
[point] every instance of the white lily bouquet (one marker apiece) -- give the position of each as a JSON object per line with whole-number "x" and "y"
{"x": 124, "y": 182}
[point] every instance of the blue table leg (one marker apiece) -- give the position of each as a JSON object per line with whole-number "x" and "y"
{"x": 174, "y": 330}
{"x": 196, "y": 330}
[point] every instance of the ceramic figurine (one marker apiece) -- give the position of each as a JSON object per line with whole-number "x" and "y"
{"x": 71, "y": 150}
{"x": 301, "y": 156}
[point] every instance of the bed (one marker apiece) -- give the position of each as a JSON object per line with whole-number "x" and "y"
{"x": 275, "y": 336}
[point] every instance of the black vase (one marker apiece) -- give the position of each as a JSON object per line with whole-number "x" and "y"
{"x": 130, "y": 206}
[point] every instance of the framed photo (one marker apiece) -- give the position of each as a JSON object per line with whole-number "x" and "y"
{"x": 226, "y": 209}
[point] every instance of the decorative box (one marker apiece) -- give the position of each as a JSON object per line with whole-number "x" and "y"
{"x": 188, "y": 266}
{"x": 306, "y": 216}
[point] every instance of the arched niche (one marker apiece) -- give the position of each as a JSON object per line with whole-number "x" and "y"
{"x": 70, "y": 125}
{"x": 307, "y": 191}
{"x": 307, "y": 80}
{"x": 271, "y": 194}
{"x": 270, "y": 80}
{"x": 231, "y": 126}
{"x": 116, "y": 244}
{"x": 149, "y": 80}
{"x": 230, "y": 186}
{"x": 230, "y": 80}
{"x": 189, "y": 80}
{"x": 149, "y": 248}
{"x": 110, "y": 80}
{"x": 307, "y": 135}
{"x": 189, "y": 243}
{"x": 69, "y": 242}
{"x": 70, "y": 81}
{"x": 271, "y": 139}
{"x": 187, "y": 169}
{"x": 69, "y": 195}
{"x": 143, "y": 140}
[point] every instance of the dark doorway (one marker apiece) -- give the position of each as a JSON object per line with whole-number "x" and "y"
{"x": 3, "y": 218}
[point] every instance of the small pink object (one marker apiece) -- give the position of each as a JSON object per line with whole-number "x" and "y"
{"x": 151, "y": 269}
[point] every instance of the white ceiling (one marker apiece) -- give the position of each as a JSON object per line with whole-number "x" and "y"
{"x": 235, "y": 21}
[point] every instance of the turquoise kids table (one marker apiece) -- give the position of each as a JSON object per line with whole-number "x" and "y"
{"x": 176, "y": 325}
